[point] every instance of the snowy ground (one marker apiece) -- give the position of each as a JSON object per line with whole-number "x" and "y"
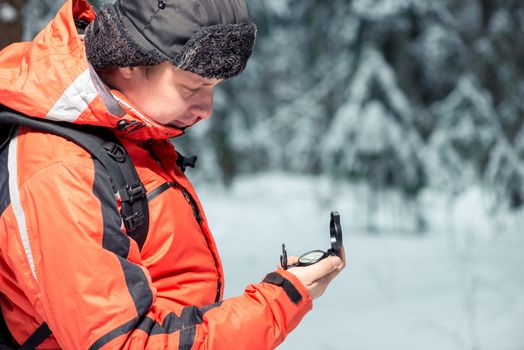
{"x": 459, "y": 288}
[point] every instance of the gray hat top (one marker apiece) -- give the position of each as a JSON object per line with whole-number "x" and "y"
{"x": 212, "y": 38}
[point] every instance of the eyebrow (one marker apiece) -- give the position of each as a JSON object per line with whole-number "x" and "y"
{"x": 200, "y": 80}
{"x": 196, "y": 78}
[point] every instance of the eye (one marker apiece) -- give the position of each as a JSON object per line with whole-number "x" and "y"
{"x": 188, "y": 91}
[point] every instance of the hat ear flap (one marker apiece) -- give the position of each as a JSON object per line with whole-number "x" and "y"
{"x": 219, "y": 51}
{"x": 108, "y": 44}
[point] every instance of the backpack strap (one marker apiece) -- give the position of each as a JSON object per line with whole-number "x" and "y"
{"x": 39, "y": 335}
{"x": 5, "y": 337}
{"x": 105, "y": 147}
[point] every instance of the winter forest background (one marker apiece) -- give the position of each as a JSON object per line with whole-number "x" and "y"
{"x": 408, "y": 117}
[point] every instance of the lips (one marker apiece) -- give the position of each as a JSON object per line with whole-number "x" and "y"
{"x": 183, "y": 123}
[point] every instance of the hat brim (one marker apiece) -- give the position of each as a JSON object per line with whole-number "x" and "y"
{"x": 219, "y": 51}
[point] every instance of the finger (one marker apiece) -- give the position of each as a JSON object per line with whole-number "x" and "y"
{"x": 324, "y": 267}
{"x": 291, "y": 260}
{"x": 321, "y": 284}
{"x": 329, "y": 277}
{"x": 343, "y": 255}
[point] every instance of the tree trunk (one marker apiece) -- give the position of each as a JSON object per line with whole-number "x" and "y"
{"x": 10, "y": 21}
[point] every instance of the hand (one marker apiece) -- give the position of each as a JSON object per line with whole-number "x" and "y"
{"x": 317, "y": 277}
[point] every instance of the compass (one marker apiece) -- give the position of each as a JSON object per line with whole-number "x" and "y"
{"x": 314, "y": 256}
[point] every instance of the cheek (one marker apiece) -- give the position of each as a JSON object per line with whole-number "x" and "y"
{"x": 165, "y": 106}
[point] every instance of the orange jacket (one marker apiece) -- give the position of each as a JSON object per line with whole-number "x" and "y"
{"x": 64, "y": 256}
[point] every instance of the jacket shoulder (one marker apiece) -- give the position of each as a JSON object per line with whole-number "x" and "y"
{"x": 37, "y": 150}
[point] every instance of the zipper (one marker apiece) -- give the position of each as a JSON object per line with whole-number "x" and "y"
{"x": 219, "y": 285}
{"x": 191, "y": 201}
{"x": 148, "y": 145}
{"x": 200, "y": 221}
{"x": 196, "y": 212}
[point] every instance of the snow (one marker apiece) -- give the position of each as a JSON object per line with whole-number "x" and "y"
{"x": 363, "y": 115}
{"x": 377, "y": 9}
{"x": 279, "y": 7}
{"x": 501, "y": 22}
{"x": 8, "y": 13}
{"x": 375, "y": 134}
{"x": 459, "y": 286}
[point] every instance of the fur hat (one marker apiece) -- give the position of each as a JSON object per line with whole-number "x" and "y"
{"x": 212, "y": 38}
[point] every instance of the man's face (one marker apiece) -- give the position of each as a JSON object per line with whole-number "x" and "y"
{"x": 169, "y": 95}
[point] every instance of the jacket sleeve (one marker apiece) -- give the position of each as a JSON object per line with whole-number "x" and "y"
{"x": 85, "y": 278}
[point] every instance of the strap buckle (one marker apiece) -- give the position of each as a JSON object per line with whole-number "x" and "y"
{"x": 184, "y": 162}
{"x": 116, "y": 152}
{"x": 131, "y": 193}
{"x": 133, "y": 221}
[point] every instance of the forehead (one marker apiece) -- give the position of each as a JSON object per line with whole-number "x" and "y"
{"x": 195, "y": 78}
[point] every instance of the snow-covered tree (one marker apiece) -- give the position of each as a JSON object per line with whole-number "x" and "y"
{"x": 464, "y": 135}
{"x": 443, "y": 87}
{"x": 372, "y": 137}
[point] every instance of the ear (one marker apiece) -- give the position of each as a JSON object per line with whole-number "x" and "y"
{"x": 127, "y": 72}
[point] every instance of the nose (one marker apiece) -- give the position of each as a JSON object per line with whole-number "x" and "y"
{"x": 203, "y": 106}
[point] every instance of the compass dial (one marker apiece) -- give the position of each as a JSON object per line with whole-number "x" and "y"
{"x": 311, "y": 257}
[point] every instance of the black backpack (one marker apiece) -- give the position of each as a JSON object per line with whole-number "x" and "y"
{"x": 106, "y": 148}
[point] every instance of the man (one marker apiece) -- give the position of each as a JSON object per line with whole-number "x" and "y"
{"x": 146, "y": 70}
